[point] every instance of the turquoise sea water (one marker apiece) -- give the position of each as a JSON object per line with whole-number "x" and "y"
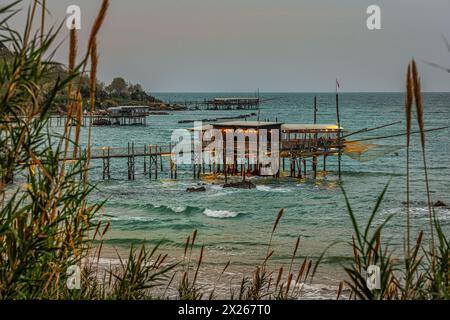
{"x": 236, "y": 224}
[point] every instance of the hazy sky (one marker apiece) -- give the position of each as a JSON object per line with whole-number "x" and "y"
{"x": 282, "y": 45}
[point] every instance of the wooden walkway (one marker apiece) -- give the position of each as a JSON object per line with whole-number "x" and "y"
{"x": 238, "y": 103}
{"x": 135, "y": 119}
{"x": 158, "y": 158}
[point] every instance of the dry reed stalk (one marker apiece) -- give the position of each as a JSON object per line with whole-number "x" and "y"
{"x": 194, "y": 236}
{"x": 73, "y": 46}
{"x": 288, "y": 285}
{"x": 301, "y": 270}
{"x": 280, "y": 273}
{"x": 97, "y": 229}
{"x": 268, "y": 257}
{"x": 29, "y": 26}
{"x": 341, "y": 286}
{"x": 73, "y": 40}
{"x": 277, "y": 221}
{"x": 79, "y": 115}
{"x": 356, "y": 254}
{"x": 308, "y": 269}
{"x": 163, "y": 259}
{"x": 418, "y": 244}
{"x": 108, "y": 224}
{"x": 378, "y": 243}
{"x": 98, "y": 23}
{"x": 43, "y": 11}
{"x": 92, "y": 53}
{"x": 408, "y": 112}
{"x": 186, "y": 246}
{"x": 297, "y": 243}
{"x": 92, "y": 88}
{"x": 200, "y": 259}
{"x": 419, "y": 111}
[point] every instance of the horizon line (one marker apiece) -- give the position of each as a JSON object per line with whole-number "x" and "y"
{"x": 290, "y": 92}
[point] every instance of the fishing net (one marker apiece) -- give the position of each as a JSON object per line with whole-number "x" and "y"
{"x": 364, "y": 151}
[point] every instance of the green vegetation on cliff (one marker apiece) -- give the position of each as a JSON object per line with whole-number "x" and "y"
{"x": 119, "y": 92}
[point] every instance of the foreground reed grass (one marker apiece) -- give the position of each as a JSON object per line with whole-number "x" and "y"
{"x": 46, "y": 221}
{"x": 425, "y": 269}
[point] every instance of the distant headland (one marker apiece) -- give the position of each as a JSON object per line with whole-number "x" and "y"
{"x": 119, "y": 92}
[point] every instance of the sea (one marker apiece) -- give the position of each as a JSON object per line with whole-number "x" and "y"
{"x": 235, "y": 225}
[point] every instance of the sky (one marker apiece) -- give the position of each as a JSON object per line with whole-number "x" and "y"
{"x": 276, "y": 46}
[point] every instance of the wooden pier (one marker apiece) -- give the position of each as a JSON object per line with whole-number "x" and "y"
{"x": 299, "y": 144}
{"x": 102, "y": 120}
{"x": 230, "y": 103}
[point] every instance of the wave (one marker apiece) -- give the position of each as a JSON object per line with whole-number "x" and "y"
{"x": 442, "y": 213}
{"x": 175, "y": 209}
{"x": 124, "y": 218}
{"x": 271, "y": 189}
{"x": 158, "y": 208}
{"x": 220, "y": 213}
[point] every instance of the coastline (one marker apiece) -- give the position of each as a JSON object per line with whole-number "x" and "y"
{"x": 324, "y": 286}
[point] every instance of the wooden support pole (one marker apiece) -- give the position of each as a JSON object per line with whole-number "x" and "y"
{"x": 170, "y": 161}
{"x": 145, "y": 160}
{"x": 176, "y": 171}
{"x": 304, "y": 167}
{"x": 133, "y": 161}
{"x": 156, "y": 162}
{"x": 315, "y": 109}
{"x": 161, "y": 159}
{"x": 225, "y": 169}
{"x": 314, "y": 159}
{"x": 339, "y": 133}
{"x": 128, "y": 162}
{"x": 150, "y": 159}
{"x": 109, "y": 163}
{"x": 300, "y": 167}
{"x": 293, "y": 164}
{"x": 104, "y": 164}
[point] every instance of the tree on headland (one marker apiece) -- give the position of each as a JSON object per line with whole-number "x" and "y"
{"x": 136, "y": 88}
{"x": 118, "y": 85}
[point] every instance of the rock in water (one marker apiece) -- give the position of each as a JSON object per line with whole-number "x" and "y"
{"x": 200, "y": 189}
{"x": 439, "y": 204}
{"x": 240, "y": 185}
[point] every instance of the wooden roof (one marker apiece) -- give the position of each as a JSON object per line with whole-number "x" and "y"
{"x": 310, "y": 127}
{"x": 247, "y": 124}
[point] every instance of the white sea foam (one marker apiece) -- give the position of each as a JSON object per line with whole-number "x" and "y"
{"x": 177, "y": 209}
{"x": 270, "y": 189}
{"x": 123, "y": 218}
{"x": 442, "y": 213}
{"x": 220, "y": 213}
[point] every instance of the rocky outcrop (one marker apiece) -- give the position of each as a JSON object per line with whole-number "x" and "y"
{"x": 199, "y": 189}
{"x": 439, "y": 204}
{"x": 240, "y": 185}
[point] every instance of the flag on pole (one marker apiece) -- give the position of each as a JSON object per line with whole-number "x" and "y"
{"x": 338, "y": 86}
